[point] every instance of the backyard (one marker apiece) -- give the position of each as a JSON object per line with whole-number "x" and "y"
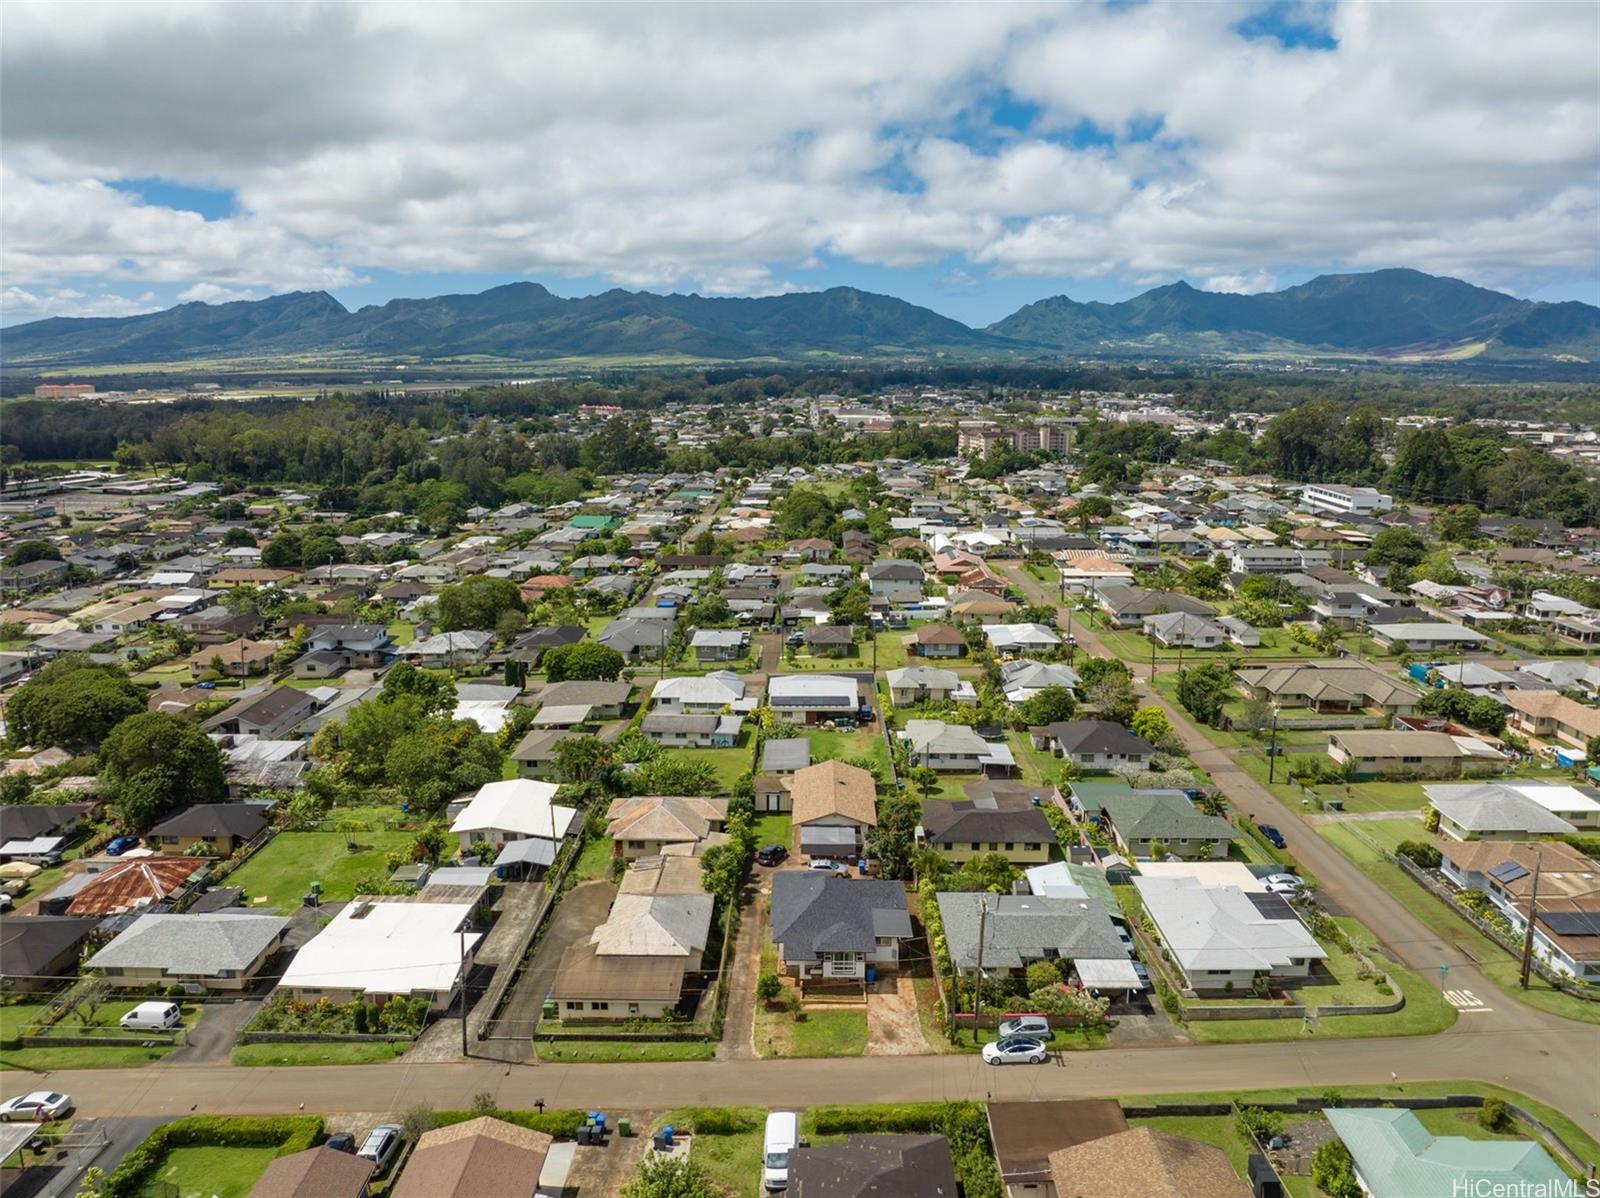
{"x": 281, "y": 873}
{"x": 828, "y": 745}
{"x": 209, "y": 1172}
{"x": 729, "y": 764}
{"x": 891, "y": 655}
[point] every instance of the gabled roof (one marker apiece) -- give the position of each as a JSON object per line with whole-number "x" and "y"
{"x": 1399, "y": 1158}
{"x": 1144, "y": 1163}
{"x": 481, "y": 1158}
{"x": 315, "y": 1173}
{"x": 814, "y": 913}
{"x": 1021, "y": 928}
{"x": 1005, "y": 818}
{"x": 129, "y": 885}
{"x": 832, "y": 788}
{"x": 669, "y": 818}
{"x": 1096, "y": 736}
{"x": 28, "y": 944}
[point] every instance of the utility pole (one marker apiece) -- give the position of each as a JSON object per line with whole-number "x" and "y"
{"x": 464, "y": 988}
{"x": 977, "y": 979}
{"x": 1533, "y": 913}
{"x": 1272, "y": 750}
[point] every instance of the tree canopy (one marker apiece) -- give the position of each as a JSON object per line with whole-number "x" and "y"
{"x": 72, "y": 704}
{"x": 476, "y": 602}
{"x": 157, "y": 762}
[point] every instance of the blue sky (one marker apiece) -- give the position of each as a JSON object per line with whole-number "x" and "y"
{"x": 968, "y": 158}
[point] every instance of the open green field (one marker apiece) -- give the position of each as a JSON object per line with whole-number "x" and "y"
{"x": 209, "y": 1172}
{"x": 281, "y": 873}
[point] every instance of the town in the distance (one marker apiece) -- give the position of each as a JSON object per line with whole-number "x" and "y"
{"x": 906, "y": 781}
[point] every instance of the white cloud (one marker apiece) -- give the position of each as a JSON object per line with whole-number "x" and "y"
{"x": 211, "y": 293}
{"x": 726, "y": 148}
{"x": 19, "y": 302}
{"x": 1246, "y": 284}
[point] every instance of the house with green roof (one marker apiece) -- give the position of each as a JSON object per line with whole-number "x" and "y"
{"x": 1136, "y": 819}
{"x": 1396, "y": 1157}
{"x": 593, "y": 523}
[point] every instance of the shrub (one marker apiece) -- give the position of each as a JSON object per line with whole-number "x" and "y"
{"x": 722, "y": 1121}
{"x": 1042, "y": 974}
{"x": 1332, "y": 1171}
{"x": 1493, "y": 1115}
{"x": 287, "y": 1133}
{"x": 1260, "y": 1125}
{"x": 1420, "y": 852}
{"x": 768, "y": 986}
{"x": 558, "y": 1123}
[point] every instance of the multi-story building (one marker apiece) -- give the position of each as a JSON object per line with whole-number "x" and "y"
{"x": 1345, "y": 501}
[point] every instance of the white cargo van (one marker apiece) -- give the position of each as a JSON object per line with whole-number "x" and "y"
{"x": 153, "y": 1017}
{"x": 783, "y": 1133}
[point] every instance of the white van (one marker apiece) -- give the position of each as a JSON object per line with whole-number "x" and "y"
{"x": 783, "y": 1133}
{"x": 153, "y": 1017}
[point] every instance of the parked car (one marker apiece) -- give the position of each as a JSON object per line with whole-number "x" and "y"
{"x": 781, "y": 1138}
{"x": 341, "y": 1141}
{"x": 1018, "y": 1051}
{"x": 1027, "y": 1027}
{"x": 1274, "y": 837}
{"x": 5, "y": 901}
{"x": 1285, "y": 889}
{"x": 120, "y": 845}
{"x": 835, "y": 867}
{"x": 1272, "y": 880}
{"x": 39, "y": 1107}
{"x": 381, "y": 1146}
{"x": 772, "y": 854}
{"x": 152, "y": 1017}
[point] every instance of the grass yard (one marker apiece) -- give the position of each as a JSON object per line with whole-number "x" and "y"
{"x": 402, "y": 632}
{"x": 951, "y": 788}
{"x": 827, "y": 745}
{"x": 1496, "y": 964}
{"x": 730, "y": 764}
{"x": 282, "y": 872}
{"x": 16, "y": 1016}
{"x": 106, "y": 1019}
{"x": 828, "y": 1034}
{"x": 608, "y": 1051}
{"x": 111, "y": 1056}
{"x": 1220, "y": 1131}
{"x": 1376, "y": 796}
{"x": 364, "y": 1052}
{"x": 1039, "y": 767}
{"x": 891, "y": 655}
{"x": 774, "y": 829}
{"x": 209, "y": 1172}
{"x": 732, "y": 1161}
{"x": 595, "y": 860}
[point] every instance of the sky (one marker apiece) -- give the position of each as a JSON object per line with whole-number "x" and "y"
{"x": 971, "y": 158}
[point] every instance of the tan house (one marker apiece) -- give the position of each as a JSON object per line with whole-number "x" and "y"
{"x": 218, "y": 828}
{"x": 648, "y": 825}
{"x": 220, "y": 950}
{"x": 1372, "y": 753}
{"x": 833, "y": 805}
{"x": 1550, "y": 715}
{"x": 481, "y": 1158}
{"x": 1330, "y": 686}
{"x": 1000, "y": 818}
{"x": 236, "y": 659}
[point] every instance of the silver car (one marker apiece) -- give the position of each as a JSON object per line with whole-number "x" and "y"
{"x": 37, "y": 1107}
{"x": 1030, "y": 1027}
{"x": 381, "y": 1146}
{"x": 1019, "y": 1051}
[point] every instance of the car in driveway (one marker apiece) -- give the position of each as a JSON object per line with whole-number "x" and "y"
{"x": 120, "y": 845}
{"x": 1274, "y": 837}
{"x": 341, "y": 1141}
{"x": 772, "y": 854}
{"x": 826, "y": 866}
{"x": 1025, "y": 1027}
{"x": 381, "y": 1146}
{"x": 1017, "y": 1051}
{"x": 38, "y": 1107}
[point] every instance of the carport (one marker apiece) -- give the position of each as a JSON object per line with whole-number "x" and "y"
{"x": 825, "y": 841}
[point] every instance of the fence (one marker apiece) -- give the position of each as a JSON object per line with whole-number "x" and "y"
{"x": 248, "y": 1037}
{"x": 1511, "y": 945}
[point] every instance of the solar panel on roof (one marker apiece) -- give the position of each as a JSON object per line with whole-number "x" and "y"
{"x": 1507, "y": 872}
{"x": 1271, "y": 906}
{"x": 1572, "y": 923}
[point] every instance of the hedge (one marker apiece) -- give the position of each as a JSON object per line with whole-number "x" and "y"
{"x": 723, "y": 1121}
{"x": 562, "y": 1124}
{"x": 286, "y": 1133}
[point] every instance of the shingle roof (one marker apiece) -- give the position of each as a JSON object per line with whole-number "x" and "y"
{"x": 1144, "y": 1163}
{"x": 813, "y": 913}
{"x": 193, "y": 945}
{"x": 1020, "y": 928}
{"x": 875, "y": 1166}
{"x": 241, "y": 820}
{"x": 315, "y": 1173}
{"x": 1097, "y": 736}
{"x": 999, "y": 817}
{"x": 481, "y": 1158}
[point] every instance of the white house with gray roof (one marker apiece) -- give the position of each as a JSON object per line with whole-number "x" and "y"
{"x": 828, "y": 928}
{"x": 220, "y": 950}
{"x": 1021, "y": 929}
{"x": 1222, "y": 938}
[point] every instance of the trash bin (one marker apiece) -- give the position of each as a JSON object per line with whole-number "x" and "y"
{"x": 666, "y": 1134}
{"x": 624, "y": 1126}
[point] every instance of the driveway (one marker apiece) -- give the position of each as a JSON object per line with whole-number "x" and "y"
{"x": 213, "y": 1036}
{"x": 738, "y": 1025}
{"x": 580, "y": 911}
{"x": 101, "y": 1143}
{"x": 893, "y": 1028}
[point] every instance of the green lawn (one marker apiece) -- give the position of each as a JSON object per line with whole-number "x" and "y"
{"x": 951, "y": 788}
{"x": 891, "y": 655}
{"x": 732, "y": 1161}
{"x": 1220, "y": 1131}
{"x": 16, "y": 1016}
{"x": 730, "y": 764}
{"x": 402, "y": 632}
{"x": 111, "y": 1056}
{"x": 827, "y": 745}
{"x": 595, "y": 860}
{"x": 337, "y": 1053}
{"x": 1496, "y": 964}
{"x": 609, "y": 1051}
{"x": 829, "y": 1034}
{"x": 209, "y": 1172}
{"x": 774, "y": 829}
{"x": 282, "y": 872}
{"x": 106, "y": 1019}
{"x": 1038, "y": 766}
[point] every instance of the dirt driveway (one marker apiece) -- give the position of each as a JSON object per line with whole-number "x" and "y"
{"x": 893, "y": 1028}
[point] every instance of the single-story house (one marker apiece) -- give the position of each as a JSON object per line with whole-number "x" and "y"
{"x": 603, "y": 700}
{"x": 220, "y": 950}
{"x": 1495, "y": 811}
{"x": 39, "y": 951}
{"x": 720, "y": 644}
{"x": 647, "y": 825}
{"x": 692, "y": 731}
{"x": 936, "y": 640}
{"x": 481, "y": 1158}
{"x": 1395, "y": 1156}
{"x": 1093, "y": 744}
{"x": 132, "y": 885}
{"x": 708, "y": 695}
{"x": 1019, "y": 929}
{"x": 1022, "y": 678}
{"x": 1222, "y": 938}
{"x": 828, "y": 928}
{"x": 1016, "y": 640}
{"x": 1330, "y": 686}
{"x": 515, "y": 809}
{"x": 1127, "y": 606}
{"x": 785, "y": 755}
{"x": 394, "y": 946}
{"x": 953, "y": 748}
{"x": 1141, "y": 820}
{"x": 830, "y": 640}
{"x": 219, "y": 827}
{"x": 450, "y": 650}
{"x": 1003, "y": 820}
{"x": 882, "y": 1166}
{"x": 321, "y": 1172}
{"x": 812, "y": 698}
{"x": 1550, "y": 715}
{"x": 1375, "y": 752}
{"x": 911, "y": 685}
{"x": 1427, "y": 636}
{"x": 1024, "y": 1134}
{"x": 1181, "y": 629}
{"x": 270, "y": 714}
{"x": 1143, "y": 1162}
{"x": 535, "y": 753}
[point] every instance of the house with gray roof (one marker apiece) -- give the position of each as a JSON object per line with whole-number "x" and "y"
{"x": 1493, "y": 811}
{"x": 829, "y": 928}
{"x": 1093, "y": 744}
{"x": 875, "y": 1166}
{"x": 999, "y": 818}
{"x": 1126, "y": 606}
{"x": 636, "y": 639}
{"x": 1138, "y": 819}
{"x": 1177, "y": 628}
{"x": 1018, "y": 930}
{"x": 1222, "y": 938}
{"x": 220, "y": 950}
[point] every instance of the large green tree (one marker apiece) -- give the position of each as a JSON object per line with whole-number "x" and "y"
{"x": 1204, "y": 690}
{"x": 476, "y": 602}
{"x": 157, "y": 762}
{"x": 892, "y": 843}
{"x": 72, "y": 703}
{"x": 585, "y": 661}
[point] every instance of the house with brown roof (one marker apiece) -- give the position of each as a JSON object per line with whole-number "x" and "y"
{"x": 315, "y": 1173}
{"x": 237, "y": 658}
{"x": 1550, "y": 715}
{"x": 647, "y": 825}
{"x": 1000, "y": 818}
{"x": 1566, "y": 933}
{"x": 1024, "y": 1134}
{"x": 833, "y": 805}
{"x": 936, "y": 640}
{"x": 481, "y": 1158}
{"x": 1330, "y": 686}
{"x": 131, "y": 885}
{"x": 1144, "y": 1163}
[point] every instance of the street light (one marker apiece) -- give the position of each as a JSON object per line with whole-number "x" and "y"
{"x": 1272, "y": 750}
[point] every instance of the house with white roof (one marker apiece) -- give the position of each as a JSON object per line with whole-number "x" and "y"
{"x": 955, "y": 748}
{"x": 517, "y": 809}
{"x": 706, "y": 695}
{"x": 397, "y": 946}
{"x": 1013, "y": 640}
{"x": 1222, "y": 938}
{"x": 810, "y": 698}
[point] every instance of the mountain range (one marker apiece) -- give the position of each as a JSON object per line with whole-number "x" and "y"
{"x": 1381, "y": 314}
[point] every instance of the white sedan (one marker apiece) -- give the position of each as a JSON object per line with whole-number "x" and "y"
{"x": 1017, "y": 1051}
{"x": 38, "y": 1107}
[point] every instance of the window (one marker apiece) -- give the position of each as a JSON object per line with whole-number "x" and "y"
{"x": 574, "y": 1006}
{"x": 976, "y": 846}
{"x": 633, "y": 1008}
{"x": 1032, "y": 846}
{"x": 599, "y": 1006}
{"x": 994, "y": 846}
{"x": 1009, "y": 846}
